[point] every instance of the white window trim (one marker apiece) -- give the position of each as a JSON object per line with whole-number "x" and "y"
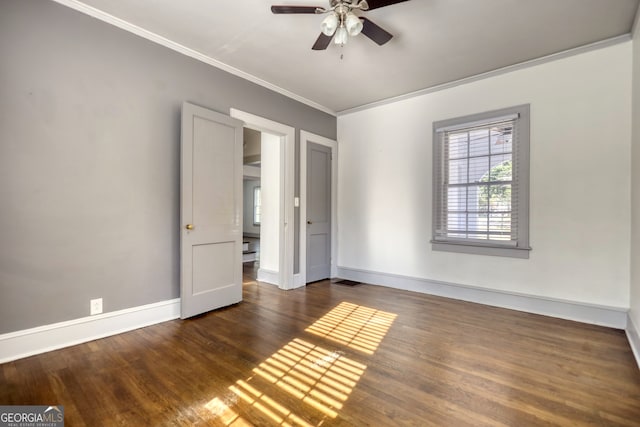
{"x": 257, "y": 189}
{"x": 521, "y": 248}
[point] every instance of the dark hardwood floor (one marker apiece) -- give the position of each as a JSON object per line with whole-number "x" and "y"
{"x": 330, "y": 354}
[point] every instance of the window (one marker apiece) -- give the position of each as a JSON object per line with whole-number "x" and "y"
{"x": 257, "y": 202}
{"x": 481, "y": 183}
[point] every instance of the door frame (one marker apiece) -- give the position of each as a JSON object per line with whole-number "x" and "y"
{"x": 286, "y": 203}
{"x": 305, "y": 139}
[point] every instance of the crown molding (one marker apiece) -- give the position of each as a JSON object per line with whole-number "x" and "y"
{"x": 156, "y": 38}
{"x": 510, "y": 68}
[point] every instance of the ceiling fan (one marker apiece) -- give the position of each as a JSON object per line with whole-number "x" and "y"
{"x": 341, "y": 22}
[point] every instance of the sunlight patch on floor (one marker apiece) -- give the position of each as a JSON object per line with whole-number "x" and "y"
{"x": 322, "y": 379}
{"x": 278, "y": 413}
{"x": 360, "y": 328}
{"x": 224, "y": 414}
{"x": 317, "y": 376}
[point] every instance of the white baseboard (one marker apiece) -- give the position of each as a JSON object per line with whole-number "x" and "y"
{"x": 633, "y": 335}
{"x": 614, "y": 317}
{"x": 19, "y": 344}
{"x": 268, "y": 276}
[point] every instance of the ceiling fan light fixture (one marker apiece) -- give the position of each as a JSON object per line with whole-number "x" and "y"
{"x": 329, "y": 24}
{"x": 353, "y": 24}
{"x": 342, "y": 20}
{"x": 341, "y": 36}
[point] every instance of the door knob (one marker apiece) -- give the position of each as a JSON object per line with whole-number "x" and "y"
{"x": 189, "y": 227}
{"x": 309, "y": 222}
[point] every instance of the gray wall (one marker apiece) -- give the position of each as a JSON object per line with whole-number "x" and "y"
{"x": 89, "y": 160}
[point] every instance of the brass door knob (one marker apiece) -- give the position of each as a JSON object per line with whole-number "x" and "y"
{"x": 189, "y": 226}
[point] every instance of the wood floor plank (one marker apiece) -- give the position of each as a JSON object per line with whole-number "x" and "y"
{"x": 296, "y": 358}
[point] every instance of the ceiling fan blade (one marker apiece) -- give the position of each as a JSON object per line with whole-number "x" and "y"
{"x": 374, "y": 32}
{"x": 322, "y": 42}
{"x": 375, "y": 4}
{"x": 294, "y": 9}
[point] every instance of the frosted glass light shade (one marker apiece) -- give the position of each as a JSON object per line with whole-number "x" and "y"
{"x": 353, "y": 24}
{"x": 329, "y": 24}
{"x": 341, "y": 36}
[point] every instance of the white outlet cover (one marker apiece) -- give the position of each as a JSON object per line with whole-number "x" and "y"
{"x": 96, "y": 306}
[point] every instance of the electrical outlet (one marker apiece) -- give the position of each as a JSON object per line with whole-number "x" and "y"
{"x": 96, "y": 306}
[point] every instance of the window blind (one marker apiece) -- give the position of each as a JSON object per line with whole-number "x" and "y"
{"x": 476, "y": 185}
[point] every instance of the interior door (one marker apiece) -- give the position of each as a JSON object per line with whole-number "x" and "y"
{"x": 318, "y": 212}
{"x": 210, "y": 211}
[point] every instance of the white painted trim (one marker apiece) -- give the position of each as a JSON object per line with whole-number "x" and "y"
{"x": 305, "y": 138}
{"x": 156, "y": 38}
{"x": 16, "y": 345}
{"x": 526, "y": 64}
{"x": 287, "y": 173}
{"x": 251, "y": 171}
{"x": 633, "y": 335}
{"x": 268, "y": 276}
{"x": 613, "y": 317}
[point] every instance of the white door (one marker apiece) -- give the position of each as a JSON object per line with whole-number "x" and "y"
{"x": 210, "y": 211}
{"x": 318, "y": 212}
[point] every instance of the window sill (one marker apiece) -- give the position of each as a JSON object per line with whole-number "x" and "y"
{"x": 509, "y": 252}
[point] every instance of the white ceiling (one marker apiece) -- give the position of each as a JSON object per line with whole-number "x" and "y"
{"x": 436, "y": 41}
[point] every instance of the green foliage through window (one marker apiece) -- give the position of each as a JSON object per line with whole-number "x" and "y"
{"x": 496, "y": 195}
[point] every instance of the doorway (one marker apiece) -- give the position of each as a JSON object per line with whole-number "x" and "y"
{"x": 282, "y": 139}
{"x": 261, "y": 213}
{"x": 252, "y": 204}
